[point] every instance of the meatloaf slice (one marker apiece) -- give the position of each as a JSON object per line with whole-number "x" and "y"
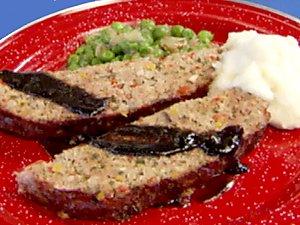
{"x": 129, "y": 89}
{"x": 226, "y": 108}
{"x": 90, "y": 182}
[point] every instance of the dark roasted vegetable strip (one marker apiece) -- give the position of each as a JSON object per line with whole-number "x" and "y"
{"x": 156, "y": 141}
{"x": 42, "y": 85}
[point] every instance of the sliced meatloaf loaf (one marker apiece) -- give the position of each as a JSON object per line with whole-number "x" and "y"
{"x": 91, "y": 182}
{"x": 97, "y": 98}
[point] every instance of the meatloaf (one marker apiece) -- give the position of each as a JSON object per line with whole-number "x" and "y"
{"x": 60, "y": 104}
{"x": 90, "y": 182}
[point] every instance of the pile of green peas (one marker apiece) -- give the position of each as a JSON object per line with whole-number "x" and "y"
{"x": 112, "y": 43}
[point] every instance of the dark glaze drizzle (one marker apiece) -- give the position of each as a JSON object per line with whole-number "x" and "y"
{"x": 163, "y": 141}
{"x": 237, "y": 168}
{"x": 40, "y": 84}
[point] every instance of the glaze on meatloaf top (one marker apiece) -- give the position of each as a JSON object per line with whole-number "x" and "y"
{"x": 96, "y": 171}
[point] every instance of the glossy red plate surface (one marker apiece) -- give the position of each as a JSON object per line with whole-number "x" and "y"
{"x": 268, "y": 194}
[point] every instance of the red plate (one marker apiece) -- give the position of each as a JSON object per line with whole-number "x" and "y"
{"x": 268, "y": 194}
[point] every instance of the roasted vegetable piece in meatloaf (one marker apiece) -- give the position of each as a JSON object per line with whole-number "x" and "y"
{"x": 90, "y": 182}
{"x": 94, "y": 99}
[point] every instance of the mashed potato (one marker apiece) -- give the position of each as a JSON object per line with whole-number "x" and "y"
{"x": 267, "y": 66}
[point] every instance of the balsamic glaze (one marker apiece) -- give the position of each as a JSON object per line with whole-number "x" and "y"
{"x": 237, "y": 168}
{"x": 40, "y": 84}
{"x": 163, "y": 141}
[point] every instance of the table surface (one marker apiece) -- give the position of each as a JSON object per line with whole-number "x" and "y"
{"x": 16, "y": 13}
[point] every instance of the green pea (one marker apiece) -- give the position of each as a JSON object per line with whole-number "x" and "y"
{"x": 85, "y": 54}
{"x": 119, "y": 57}
{"x": 89, "y": 52}
{"x": 96, "y": 61}
{"x": 104, "y": 36}
{"x": 81, "y": 49}
{"x": 199, "y": 46}
{"x": 144, "y": 48}
{"x": 127, "y": 28}
{"x": 123, "y": 45}
{"x": 176, "y": 31}
{"x": 147, "y": 24}
{"x": 128, "y": 47}
{"x": 83, "y": 61}
{"x": 117, "y": 49}
{"x": 117, "y": 26}
{"x": 114, "y": 60}
{"x": 73, "y": 59}
{"x": 157, "y": 44}
{"x": 160, "y": 31}
{"x": 147, "y": 35}
{"x": 106, "y": 56}
{"x": 90, "y": 39}
{"x": 205, "y": 36}
{"x": 157, "y": 52}
{"x": 133, "y": 46}
{"x": 73, "y": 66}
{"x": 127, "y": 57}
{"x": 188, "y": 33}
